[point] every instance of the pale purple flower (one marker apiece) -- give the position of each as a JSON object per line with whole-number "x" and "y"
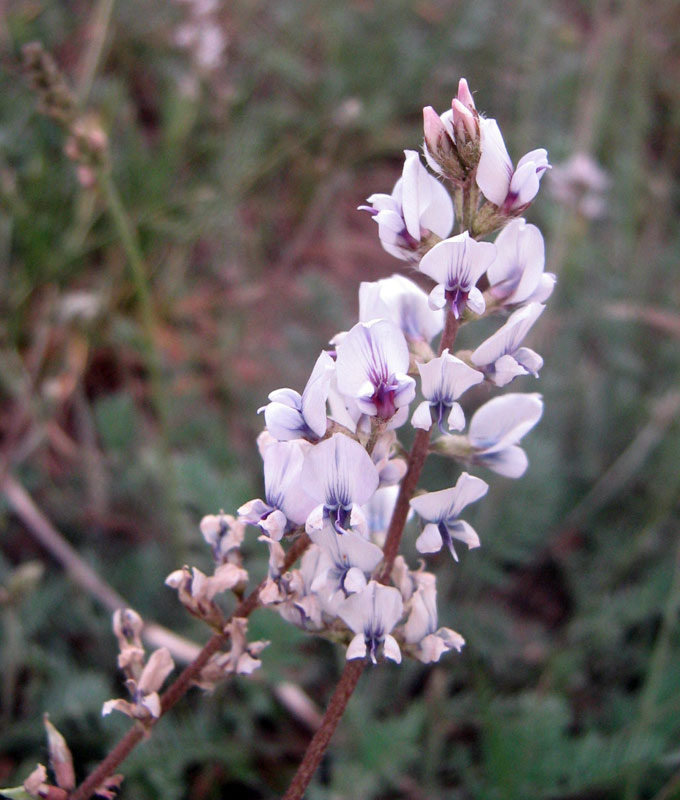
{"x": 456, "y": 264}
{"x": 444, "y": 380}
{"x": 496, "y": 428}
{"x": 344, "y": 563}
{"x": 339, "y": 474}
{"x": 419, "y": 205}
{"x": 372, "y": 366}
{"x": 442, "y": 509}
{"x": 403, "y": 302}
{"x": 290, "y": 415}
{"x": 286, "y": 504}
{"x": 422, "y": 627}
{"x": 372, "y": 614}
{"x": 517, "y": 276}
{"x": 511, "y": 189}
{"x": 501, "y": 357}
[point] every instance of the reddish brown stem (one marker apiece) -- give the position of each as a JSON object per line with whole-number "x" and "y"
{"x": 321, "y": 739}
{"x": 179, "y": 687}
{"x": 416, "y": 460}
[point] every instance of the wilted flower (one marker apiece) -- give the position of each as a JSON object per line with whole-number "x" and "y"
{"x": 372, "y": 614}
{"x": 196, "y": 590}
{"x": 145, "y": 699}
{"x": 442, "y": 510}
{"x": 224, "y": 534}
{"x": 61, "y": 759}
{"x": 501, "y": 357}
{"x": 242, "y": 658}
{"x": 457, "y": 264}
{"x": 418, "y": 207}
{"x": 512, "y": 190}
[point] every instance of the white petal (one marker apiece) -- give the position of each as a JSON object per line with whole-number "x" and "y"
{"x": 465, "y": 533}
{"x": 508, "y": 338}
{"x": 468, "y": 489}
{"x": 339, "y": 469}
{"x": 157, "y": 669}
{"x": 275, "y": 525}
{"x": 391, "y": 649}
{"x": 446, "y": 378}
{"x": 494, "y": 171}
{"x": 475, "y": 301}
{"x": 422, "y": 417}
{"x": 438, "y": 215}
{"x": 284, "y": 423}
{"x": 451, "y": 638}
{"x": 152, "y": 702}
{"x": 430, "y": 540}
{"x": 415, "y": 190}
{"x": 530, "y": 360}
{"x": 316, "y": 392}
{"x": 356, "y": 648}
{"x": 437, "y": 297}
{"x": 520, "y": 261}
{"x": 524, "y": 185}
{"x": 505, "y": 370}
{"x": 503, "y": 421}
{"x": 388, "y": 605}
{"x": 511, "y": 462}
{"x": 456, "y": 419}
{"x": 355, "y": 581}
{"x": 370, "y": 349}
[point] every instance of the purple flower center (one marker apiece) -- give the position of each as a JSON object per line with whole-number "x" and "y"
{"x": 458, "y": 298}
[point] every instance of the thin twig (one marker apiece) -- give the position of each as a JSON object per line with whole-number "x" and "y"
{"x": 84, "y": 576}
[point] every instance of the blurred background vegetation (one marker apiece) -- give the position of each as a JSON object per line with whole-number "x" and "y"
{"x": 243, "y": 135}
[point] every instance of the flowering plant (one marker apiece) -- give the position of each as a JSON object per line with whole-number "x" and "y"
{"x": 339, "y": 485}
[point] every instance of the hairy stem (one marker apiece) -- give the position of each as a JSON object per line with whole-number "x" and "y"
{"x": 321, "y": 739}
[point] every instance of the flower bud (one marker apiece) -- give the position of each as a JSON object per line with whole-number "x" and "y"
{"x": 60, "y": 757}
{"x": 440, "y": 146}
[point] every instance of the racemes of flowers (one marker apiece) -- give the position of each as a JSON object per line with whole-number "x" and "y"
{"x": 339, "y": 485}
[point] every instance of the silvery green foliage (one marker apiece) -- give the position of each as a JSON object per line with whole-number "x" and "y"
{"x": 333, "y": 463}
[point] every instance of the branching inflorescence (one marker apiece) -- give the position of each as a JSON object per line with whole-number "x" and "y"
{"x": 338, "y": 485}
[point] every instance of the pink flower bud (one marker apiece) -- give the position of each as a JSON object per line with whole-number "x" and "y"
{"x": 464, "y": 122}
{"x": 465, "y": 95}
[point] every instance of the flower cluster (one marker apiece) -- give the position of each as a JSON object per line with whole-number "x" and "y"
{"x": 337, "y": 482}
